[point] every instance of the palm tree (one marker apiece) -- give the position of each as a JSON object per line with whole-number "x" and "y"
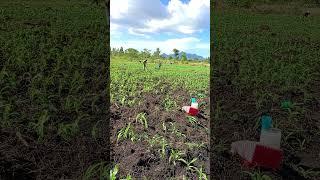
{"x": 176, "y": 53}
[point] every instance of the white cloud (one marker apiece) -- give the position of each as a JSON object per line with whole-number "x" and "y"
{"x": 182, "y": 44}
{"x": 151, "y": 16}
{"x": 131, "y": 31}
{"x": 118, "y": 8}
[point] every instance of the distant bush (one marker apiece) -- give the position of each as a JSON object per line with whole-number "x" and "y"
{"x": 240, "y": 3}
{"x": 249, "y": 3}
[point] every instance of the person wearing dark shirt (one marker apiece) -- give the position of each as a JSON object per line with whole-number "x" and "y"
{"x": 145, "y": 64}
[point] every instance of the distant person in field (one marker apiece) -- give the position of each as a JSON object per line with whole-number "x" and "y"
{"x": 306, "y": 14}
{"x": 159, "y": 65}
{"x": 144, "y": 64}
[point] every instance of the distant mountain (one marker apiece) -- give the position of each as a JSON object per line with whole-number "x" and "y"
{"x": 189, "y": 56}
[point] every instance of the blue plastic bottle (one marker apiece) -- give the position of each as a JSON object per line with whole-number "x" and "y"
{"x": 266, "y": 122}
{"x": 194, "y": 103}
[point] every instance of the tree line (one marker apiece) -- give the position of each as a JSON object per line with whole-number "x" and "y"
{"x": 249, "y": 3}
{"x": 146, "y": 53}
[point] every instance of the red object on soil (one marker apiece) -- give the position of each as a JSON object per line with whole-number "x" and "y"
{"x": 193, "y": 111}
{"x": 266, "y": 157}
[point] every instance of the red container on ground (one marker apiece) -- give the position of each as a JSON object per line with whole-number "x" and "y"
{"x": 266, "y": 157}
{"x": 193, "y": 111}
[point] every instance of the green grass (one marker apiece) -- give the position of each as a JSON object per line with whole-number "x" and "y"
{"x": 53, "y": 81}
{"x": 130, "y": 80}
{"x": 47, "y": 66}
{"x": 261, "y": 58}
{"x": 285, "y": 61}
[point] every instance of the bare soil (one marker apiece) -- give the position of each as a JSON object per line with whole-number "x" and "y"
{"x": 22, "y": 157}
{"x": 138, "y": 158}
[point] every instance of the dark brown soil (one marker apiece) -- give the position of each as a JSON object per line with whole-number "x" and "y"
{"x": 138, "y": 158}
{"x": 21, "y": 157}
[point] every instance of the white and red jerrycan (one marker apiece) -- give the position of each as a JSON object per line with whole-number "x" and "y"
{"x": 193, "y": 109}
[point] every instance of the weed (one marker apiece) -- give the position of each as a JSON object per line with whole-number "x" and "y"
{"x": 141, "y": 117}
{"x": 163, "y": 147}
{"x": 169, "y": 104}
{"x": 192, "y": 120}
{"x": 123, "y": 100}
{"x": 72, "y": 103}
{"x": 293, "y": 116}
{"x": 6, "y": 114}
{"x": 143, "y": 136}
{"x": 189, "y": 165}
{"x": 301, "y": 144}
{"x": 126, "y": 133}
{"x": 95, "y": 129}
{"x": 195, "y": 145}
{"x": 67, "y": 131}
{"x": 309, "y": 174}
{"x": 131, "y": 103}
{"x": 201, "y": 174}
{"x": 174, "y": 156}
{"x": 100, "y": 171}
{"x": 114, "y": 172}
{"x": 40, "y": 125}
{"x": 175, "y": 130}
{"x": 161, "y": 142}
{"x": 154, "y": 140}
{"x": 128, "y": 177}
{"x": 201, "y": 95}
{"x": 164, "y": 127}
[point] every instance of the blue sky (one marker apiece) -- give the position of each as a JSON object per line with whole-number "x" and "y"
{"x": 164, "y": 24}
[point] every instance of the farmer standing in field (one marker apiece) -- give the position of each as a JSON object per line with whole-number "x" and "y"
{"x": 145, "y": 64}
{"x": 159, "y": 65}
